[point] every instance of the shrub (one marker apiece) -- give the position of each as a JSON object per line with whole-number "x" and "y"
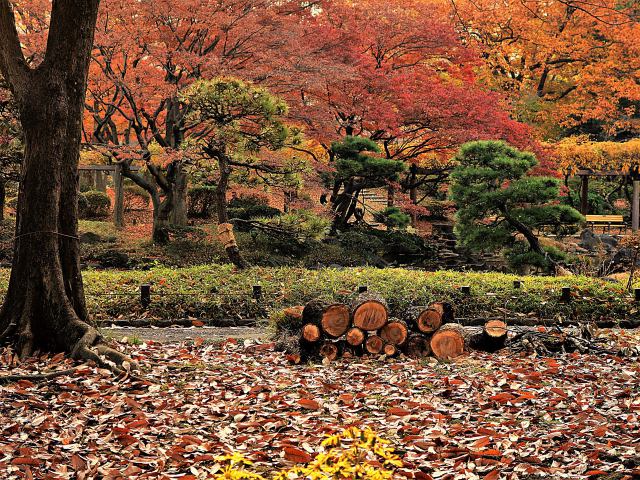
{"x": 94, "y": 204}
{"x": 438, "y": 209}
{"x": 520, "y": 256}
{"x": 288, "y": 286}
{"x": 135, "y": 198}
{"x": 253, "y": 212}
{"x": 202, "y": 201}
{"x": 390, "y": 244}
{"x": 247, "y": 200}
{"x": 393, "y": 218}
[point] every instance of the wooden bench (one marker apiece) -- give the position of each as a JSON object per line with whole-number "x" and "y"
{"x": 606, "y": 222}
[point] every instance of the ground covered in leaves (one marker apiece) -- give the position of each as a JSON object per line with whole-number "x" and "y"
{"x": 483, "y": 416}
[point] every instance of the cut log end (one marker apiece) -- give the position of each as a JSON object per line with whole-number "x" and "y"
{"x": 495, "y": 329}
{"x": 311, "y": 333}
{"x": 448, "y": 342}
{"x": 395, "y": 332}
{"x": 417, "y": 346}
{"x": 374, "y": 344}
{"x": 430, "y": 319}
{"x": 355, "y": 336}
{"x": 335, "y": 320}
{"x": 370, "y": 316}
{"x": 390, "y": 350}
{"x": 330, "y": 351}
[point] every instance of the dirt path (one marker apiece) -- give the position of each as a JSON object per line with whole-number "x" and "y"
{"x": 180, "y": 334}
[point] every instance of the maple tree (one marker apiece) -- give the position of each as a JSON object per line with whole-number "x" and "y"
{"x": 147, "y": 53}
{"x": 566, "y": 62}
{"x": 44, "y": 307}
{"x": 407, "y": 83}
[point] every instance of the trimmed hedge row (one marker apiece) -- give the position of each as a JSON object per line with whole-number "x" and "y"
{"x": 218, "y": 291}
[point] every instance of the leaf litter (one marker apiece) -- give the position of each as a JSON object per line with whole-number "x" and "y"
{"x": 485, "y": 416}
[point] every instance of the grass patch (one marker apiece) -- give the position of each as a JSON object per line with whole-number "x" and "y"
{"x": 215, "y": 291}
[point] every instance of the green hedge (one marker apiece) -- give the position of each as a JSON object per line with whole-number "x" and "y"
{"x": 187, "y": 292}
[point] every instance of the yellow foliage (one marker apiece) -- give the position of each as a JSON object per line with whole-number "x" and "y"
{"x": 577, "y": 152}
{"x": 353, "y": 454}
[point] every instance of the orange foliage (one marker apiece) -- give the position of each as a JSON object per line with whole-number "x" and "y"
{"x": 565, "y": 61}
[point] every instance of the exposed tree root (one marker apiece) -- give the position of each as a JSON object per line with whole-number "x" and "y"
{"x": 34, "y": 377}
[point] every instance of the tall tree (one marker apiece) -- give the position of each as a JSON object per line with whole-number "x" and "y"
{"x": 44, "y": 307}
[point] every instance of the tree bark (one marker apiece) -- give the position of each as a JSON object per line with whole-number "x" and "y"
{"x": 3, "y": 196}
{"x": 233, "y": 252}
{"x": 179, "y": 187}
{"x": 44, "y": 308}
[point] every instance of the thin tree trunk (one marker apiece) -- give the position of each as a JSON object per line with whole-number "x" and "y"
{"x": 179, "y": 208}
{"x": 233, "y": 252}
{"x": 3, "y": 196}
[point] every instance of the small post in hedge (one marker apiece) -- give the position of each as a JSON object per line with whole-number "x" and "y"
{"x": 257, "y": 292}
{"x": 145, "y": 295}
{"x": 363, "y": 289}
{"x": 517, "y": 284}
{"x": 566, "y": 294}
{"x": 636, "y": 294}
{"x": 465, "y": 289}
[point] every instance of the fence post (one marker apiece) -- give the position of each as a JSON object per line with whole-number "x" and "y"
{"x": 636, "y": 294}
{"x": 363, "y": 289}
{"x": 145, "y": 295}
{"x": 517, "y": 283}
{"x": 566, "y": 294}
{"x": 465, "y": 289}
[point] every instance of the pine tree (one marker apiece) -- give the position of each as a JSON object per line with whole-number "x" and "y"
{"x": 357, "y": 169}
{"x": 499, "y": 205}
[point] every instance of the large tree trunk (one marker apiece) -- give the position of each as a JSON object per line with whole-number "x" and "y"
{"x": 44, "y": 308}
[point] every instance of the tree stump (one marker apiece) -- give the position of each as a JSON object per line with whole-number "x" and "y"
{"x": 369, "y": 312}
{"x": 494, "y": 335}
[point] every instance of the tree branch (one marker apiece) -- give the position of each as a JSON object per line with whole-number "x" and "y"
{"x": 13, "y": 65}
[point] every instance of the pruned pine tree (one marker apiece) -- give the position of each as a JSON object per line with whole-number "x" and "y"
{"x": 501, "y": 206}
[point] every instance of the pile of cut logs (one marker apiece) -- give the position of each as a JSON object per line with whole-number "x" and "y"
{"x": 331, "y": 330}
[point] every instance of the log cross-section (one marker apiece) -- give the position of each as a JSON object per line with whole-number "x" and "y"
{"x": 374, "y": 344}
{"x": 448, "y": 342}
{"x": 311, "y": 332}
{"x": 332, "y": 318}
{"x": 395, "y": 332}
{"x": 370, "y": 312}
{"x": 429, "y": 319}
{"x": 335, "y": 320}
{"x": 355, "y": 337}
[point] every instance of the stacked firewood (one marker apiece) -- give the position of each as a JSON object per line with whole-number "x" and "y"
{"x": 365, "y": 327}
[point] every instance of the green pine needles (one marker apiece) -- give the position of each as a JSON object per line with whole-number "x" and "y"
{"x": 501, "y": 206}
